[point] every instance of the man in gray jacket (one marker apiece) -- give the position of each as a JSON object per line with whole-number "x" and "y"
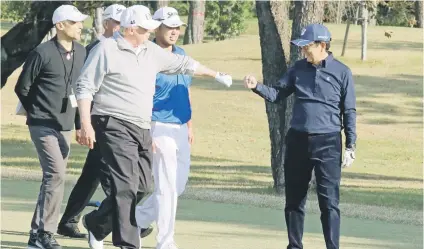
{"x": 120, "y": 73}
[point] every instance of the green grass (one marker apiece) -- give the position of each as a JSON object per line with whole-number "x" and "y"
{"x": 206, "y": 224}
{"x": 232, "y": 151}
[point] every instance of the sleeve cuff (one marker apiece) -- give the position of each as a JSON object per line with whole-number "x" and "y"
{"x": 192, "y": 68}
{"x": 85, "y": 96}
{"x": 258, "y": 88}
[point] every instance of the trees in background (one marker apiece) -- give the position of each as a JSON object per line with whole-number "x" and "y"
{"x": 196, "y": 22}
{"x": 25, "y": 35}
{"x": 226, "y": 19}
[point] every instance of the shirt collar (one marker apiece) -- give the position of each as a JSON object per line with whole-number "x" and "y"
{"x": 174, "y": 48}
{"x": 324, "y": 63}
{"x": 327, "y": 60}
{"x": 61, "y": 48}
{"x": 125, "y": 45}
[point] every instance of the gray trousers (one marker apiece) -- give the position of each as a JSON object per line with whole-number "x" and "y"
{"x": 53, "y": 149}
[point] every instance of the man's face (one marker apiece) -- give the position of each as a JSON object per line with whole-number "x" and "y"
{"x": 313, "y": 51}
{"x": 141, "y": 35}
{"x": 167, "y": 35}
{"x": 112, "y": 25}
{"x": 71, "y": 29}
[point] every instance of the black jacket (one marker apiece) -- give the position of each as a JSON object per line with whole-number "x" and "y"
{"x": 45, "y": 83}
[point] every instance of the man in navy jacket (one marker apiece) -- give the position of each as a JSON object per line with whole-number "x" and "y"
{"x": 325, "y": 103}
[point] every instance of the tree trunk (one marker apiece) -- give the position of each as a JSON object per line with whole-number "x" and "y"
{"x": 346, "y": 36}
{"x": 25, "y": 36}
{"x": 98, "y": 23}
{"x": 305, "y": 12}
{"x": 419, "y": 13}
{"x": 195, "y": 24}
{"x": 340, "y": 7}
{"x": 162, "y": 3}
{"x": 273, "y": 33}
{"x": 372, "y": 14}
{"x": 357, "y": 15}
{"x": 159, "y": 4}
{"x": 364, "y": 24}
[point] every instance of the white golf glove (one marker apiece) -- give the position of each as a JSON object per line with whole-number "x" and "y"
{"x": 348, "y": 158}
{"x": 224, "y": 79}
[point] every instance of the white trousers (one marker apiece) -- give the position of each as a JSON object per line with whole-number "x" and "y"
{"x": 171, "y": 167}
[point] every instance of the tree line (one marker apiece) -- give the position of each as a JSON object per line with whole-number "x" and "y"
{"x": 219, "y": 20}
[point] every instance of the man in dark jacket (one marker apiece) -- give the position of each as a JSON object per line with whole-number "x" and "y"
{"x": 325, "y": 103}
{"x": 45, "y": 89}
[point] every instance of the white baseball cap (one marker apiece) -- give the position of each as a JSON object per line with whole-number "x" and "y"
{"x": 114, "y": 12}
{"x": 168, "y": 16}
{"x": 138, "y": 15}
{"x": 68, "y": 13}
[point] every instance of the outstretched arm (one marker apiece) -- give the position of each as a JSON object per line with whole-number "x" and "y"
{"x": 283, "y": 88}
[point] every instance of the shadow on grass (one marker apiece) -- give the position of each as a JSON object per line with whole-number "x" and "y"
{"x": 22, "y": 153}
{"x": 388, "y": 45}
{"x": 239, "y": 169}
{"x": 21, "y": 245}
{"x": 26, "y": 235}
{"x": 16, "y": 195}
{"x": 365, "y": 176}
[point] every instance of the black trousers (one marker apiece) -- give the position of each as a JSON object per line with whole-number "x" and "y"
{"x": 93, "y": 172}
{"x": 127, "y": 151}
{"x": 305, "y": 152}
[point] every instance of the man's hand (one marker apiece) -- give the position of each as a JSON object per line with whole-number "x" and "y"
{"x": 250, "y": 82}
{"x": 224, "y": 79}
{"x": 78, "y": 137}
{"x": 348, "y": 158}
{"x": 190, "y": 136}
{"x": 88, "y": 136}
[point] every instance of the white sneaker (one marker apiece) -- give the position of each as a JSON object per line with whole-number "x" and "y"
{"x": 92, "y": 241}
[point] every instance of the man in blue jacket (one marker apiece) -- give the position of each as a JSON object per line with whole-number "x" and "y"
{"x": 172, "y": 135}
{"x": 325, "y": 103}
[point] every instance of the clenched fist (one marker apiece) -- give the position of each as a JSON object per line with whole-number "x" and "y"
{"x": 250, "y": 82}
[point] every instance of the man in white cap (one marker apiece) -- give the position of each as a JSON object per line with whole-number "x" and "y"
{"x": 45, "y": 90}
{"x": 121, "y": 74}
{"x": 111, "y": 23}
{"x": 93, "y": 167}
{"x": 172, "y": 136}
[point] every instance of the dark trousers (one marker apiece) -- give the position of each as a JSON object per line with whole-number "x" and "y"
{"x": 93, "y": 172}
{"x": 305, "y": 152}
{"x": 127, "y": 151}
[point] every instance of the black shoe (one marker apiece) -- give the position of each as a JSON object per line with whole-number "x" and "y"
{"x": 46, "y": 240}
{"x": 71, "y": 231}
{"x": 144, "y": 232}
{"x": 32, "y": 242}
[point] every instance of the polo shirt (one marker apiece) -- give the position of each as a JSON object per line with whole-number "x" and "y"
{"x": 171, "y": 103}
{"x": 324, "y": 97}
{"x": 120, "y": 79}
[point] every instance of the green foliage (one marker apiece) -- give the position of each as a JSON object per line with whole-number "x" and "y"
{"x": 225, "y": 19}
{"x": 395, "y": 13}
{"x": 182, "y": 7}
{"x": 14, "y": 10}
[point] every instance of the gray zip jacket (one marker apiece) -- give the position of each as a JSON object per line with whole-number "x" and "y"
{"x": 121, "y": 80}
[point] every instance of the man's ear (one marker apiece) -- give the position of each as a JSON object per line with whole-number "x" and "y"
{"x": 60, "y": 26}
{"x": 323, "y": 45}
